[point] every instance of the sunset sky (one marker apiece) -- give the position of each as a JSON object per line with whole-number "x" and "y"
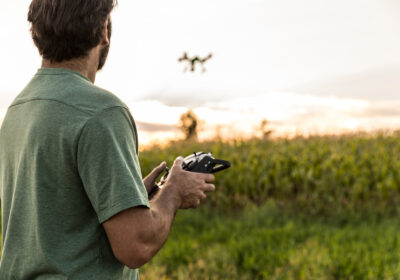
{"x": 309, "y": 66}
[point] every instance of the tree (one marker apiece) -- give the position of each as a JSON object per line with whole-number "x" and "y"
{"x": 265, "y": 132}
{"x": 189, "y": 125}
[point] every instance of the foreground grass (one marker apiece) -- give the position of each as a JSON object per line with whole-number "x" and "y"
{"x": 269, "y": 243}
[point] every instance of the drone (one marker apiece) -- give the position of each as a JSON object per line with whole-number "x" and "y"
{"x": 192, "y": 62}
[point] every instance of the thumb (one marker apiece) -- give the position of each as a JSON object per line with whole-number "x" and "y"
{"x": 178, "y": 162}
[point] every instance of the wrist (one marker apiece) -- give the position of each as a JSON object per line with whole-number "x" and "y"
{"x": 171, "y": 195}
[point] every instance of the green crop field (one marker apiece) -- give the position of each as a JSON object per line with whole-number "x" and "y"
{"x": 306, "y": 208}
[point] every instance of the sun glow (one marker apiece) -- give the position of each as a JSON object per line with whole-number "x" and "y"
{"x": 287, "y": 113}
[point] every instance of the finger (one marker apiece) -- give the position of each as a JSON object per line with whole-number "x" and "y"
{"x": 203, "y": 196}
{"x": 158, "y": 170}
{"x": 209, "y": 178}
{"x": 161, "y": 167}
{"x": 209, "y": 188}
{"x": 178, "y": 163}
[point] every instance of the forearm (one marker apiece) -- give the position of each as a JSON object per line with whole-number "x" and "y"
{"x": 138, "y": 233}
{"x": 162, "y": 210}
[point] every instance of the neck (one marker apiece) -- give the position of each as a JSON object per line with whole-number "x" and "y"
{"x": 82, "y": 66}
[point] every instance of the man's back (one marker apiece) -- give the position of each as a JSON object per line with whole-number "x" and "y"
{"x": 67, "y": 163}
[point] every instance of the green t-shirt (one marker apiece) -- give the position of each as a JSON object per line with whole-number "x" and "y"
{"x": 68, "y": 162}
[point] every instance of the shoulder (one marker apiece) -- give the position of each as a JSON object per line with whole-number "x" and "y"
{"x": 68, "y": 88}
{"x": 93, "y": 99}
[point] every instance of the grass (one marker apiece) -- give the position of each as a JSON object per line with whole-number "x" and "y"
{"x": 306, "y": 208}
{"x": 271, "y": 243}
{"x": 318, "y": 174}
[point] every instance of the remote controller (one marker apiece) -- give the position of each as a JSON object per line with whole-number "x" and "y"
{"x": 200, "y": 162}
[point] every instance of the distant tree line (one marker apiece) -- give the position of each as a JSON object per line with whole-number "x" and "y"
{"x": 189, "y": 125}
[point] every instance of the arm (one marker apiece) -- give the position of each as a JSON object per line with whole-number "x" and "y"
{"x": 138, "y": 233}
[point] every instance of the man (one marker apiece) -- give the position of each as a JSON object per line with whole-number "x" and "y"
{"x": 73, "y": 203}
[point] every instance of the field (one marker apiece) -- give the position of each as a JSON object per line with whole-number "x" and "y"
{"x": 306, "y": 208}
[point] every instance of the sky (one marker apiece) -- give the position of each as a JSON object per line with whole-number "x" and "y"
{"x": 311, "y": 66}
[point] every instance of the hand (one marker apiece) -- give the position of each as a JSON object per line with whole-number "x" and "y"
{"x": 150, "y": 180}
{"x": 188, "y": 187}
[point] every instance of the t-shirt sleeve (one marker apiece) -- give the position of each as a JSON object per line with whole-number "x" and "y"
{"x": 108, "y": 164}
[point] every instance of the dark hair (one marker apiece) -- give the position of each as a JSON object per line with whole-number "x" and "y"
{"x": 67, "y": 29}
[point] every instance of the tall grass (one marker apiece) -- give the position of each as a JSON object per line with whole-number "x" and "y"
{"x": 316, "y": 174}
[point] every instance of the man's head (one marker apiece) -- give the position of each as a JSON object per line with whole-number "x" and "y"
{"x": 64, "y": 30}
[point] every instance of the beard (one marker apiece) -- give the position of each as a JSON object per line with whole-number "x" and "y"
{"x": 103, "y": 57}
{"x": 104, "y": 52}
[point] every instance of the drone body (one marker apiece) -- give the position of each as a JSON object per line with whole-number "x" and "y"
{"x": 192, "y": 61}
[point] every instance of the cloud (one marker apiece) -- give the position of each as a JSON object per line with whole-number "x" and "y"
{"x": 186, "y": 98}
{"x": 376, "y": 84}
{"x": 155, "y": 127}
{"x": 385, "y": 110}
{"x": 288, "y": 113}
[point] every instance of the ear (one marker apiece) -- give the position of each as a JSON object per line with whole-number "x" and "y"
{"x": 105, "y": 40}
